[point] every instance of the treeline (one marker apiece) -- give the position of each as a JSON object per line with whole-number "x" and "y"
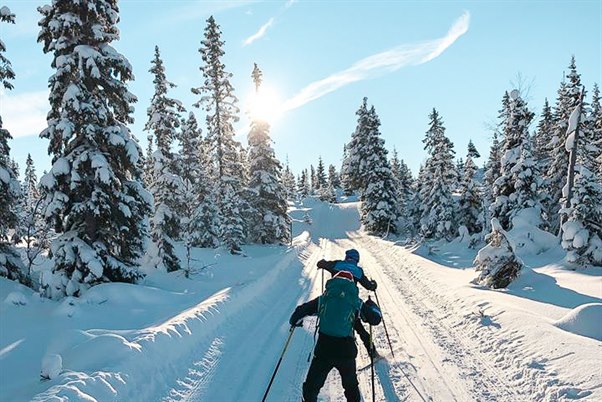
{"x": 525, "y": 179}
{"x": 103, "y": 198}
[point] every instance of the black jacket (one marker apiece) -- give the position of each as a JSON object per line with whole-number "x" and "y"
{"x": 327, "y": 346}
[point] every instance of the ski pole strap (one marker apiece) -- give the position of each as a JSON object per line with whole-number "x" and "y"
{"x": 290, "y": 335}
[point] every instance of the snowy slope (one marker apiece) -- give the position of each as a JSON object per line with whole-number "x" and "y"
{"x": 218, "y": 335}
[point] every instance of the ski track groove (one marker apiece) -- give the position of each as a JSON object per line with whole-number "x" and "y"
{"x": 512, "y": 375}
{"x": 448, "y": 339}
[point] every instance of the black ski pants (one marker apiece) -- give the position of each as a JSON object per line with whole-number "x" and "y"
{"x": 318, "y": 371}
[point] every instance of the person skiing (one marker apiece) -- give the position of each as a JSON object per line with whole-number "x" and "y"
{"x": 350, "y": 264}
{"x": 338, "y": 308}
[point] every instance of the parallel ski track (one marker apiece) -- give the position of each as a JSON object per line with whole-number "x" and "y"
{"x": 487, "y": 382}
{"x": 220, "y": 356}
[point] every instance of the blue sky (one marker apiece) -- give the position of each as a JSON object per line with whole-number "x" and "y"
{"x": 405, "y": 56}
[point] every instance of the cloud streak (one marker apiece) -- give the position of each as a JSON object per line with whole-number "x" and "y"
{"x": 380, "y": 64}
{"x": 264, "y": 28}
{"x": 24, "y": 114}
{"x": 259, "y": 33}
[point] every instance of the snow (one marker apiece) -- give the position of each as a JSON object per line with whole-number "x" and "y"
{"x": 52, "y": 365}
{"x": 585, "y": 320}
{"x": 218, "y": 335}
{"x": 569, "y": 145}
{"x": 573, "y": 122}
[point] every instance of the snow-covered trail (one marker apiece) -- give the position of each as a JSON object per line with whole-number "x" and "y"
{"x": 445, "y": 348}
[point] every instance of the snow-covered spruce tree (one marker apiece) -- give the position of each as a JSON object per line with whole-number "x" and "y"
{"x": 11, "y": 265}
{"x": 94, "y": 194}
{"x": 470, "y": 209}
{"x": 596, "y": 118}
{"x": 288, "y": 181}
{"x": 35, "y": 231}
{"x": 404, "y": 179}
{"x": 582, "y": 217}
{"x": 271, "y": 221}
{"x": 437, "y": 209}
{"x": 303, "y": 185}
{"x": 354, "y": 169}
{"x": 167, "y": 186}
{"x": 313, "y": 183}
{"x": 556, "y": 174}
{"x": 148, "y": 164}
{"x": 199, "y": 216}
{"x": 379, "y": 209}
{"x": 225, "y": 169}
{"x": 346, "y": 177}
{"x": 541, "y": 140}
{"x": 497, "y": 261}
{"x": 511, "y": 189}
{"x": 493, "y": 168}
{"x": 321, "y": 180}
{"x": 334, "y": 179}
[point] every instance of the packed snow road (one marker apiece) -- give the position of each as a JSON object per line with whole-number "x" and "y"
{"x": 431, "y": 360}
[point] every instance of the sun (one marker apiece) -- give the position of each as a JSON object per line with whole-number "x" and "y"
{"x": 265, "y": 105}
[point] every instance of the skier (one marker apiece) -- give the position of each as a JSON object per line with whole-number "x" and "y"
{"x": 338, "y": 309}
{"x": 350, "y": 264}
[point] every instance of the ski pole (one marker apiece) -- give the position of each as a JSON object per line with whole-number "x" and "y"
{"x": 372, "y": 362}
{"x": 317, "y": 322}
{"x": 290, "y": 335}
{"x": 385, "y": 326}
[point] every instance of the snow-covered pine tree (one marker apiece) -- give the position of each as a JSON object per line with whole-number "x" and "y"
{"x": 271, "y": 223}
{"x": 403, "y": 175}
{"x": 379, "y": 209}
{"x": 200, "y": 212}
{"x": 596, "y": 118}
{"x": 493, "y": 168}
{"x": 472, "y": 150}
{"x": 34, "y": 231}
{"x": 148, "y": 164}
{"x": 313, "y": 182}
{"x": 288, "y": 180}
{"x": 321, "y": 180}
{"x": 334, "y": 179}
{"x": 556, "y": 174}
{"x": 167, "y": 186}
{"x": 517, "y": 172}
{"x": 11, "y": 265}
{"x": 346, "y": 177}
{"x": 437, "y": 208}
{"x": 354, "y": 169}
{"x": 6, "y": 72}
{"x": 471, "y": 204}
{"x": 303, "y": 185}
{"x": 497, "y": 261}
{"x": 94, "y": 194}
{"x": 225, "y": 169}
{"x": 541, "y": 140}
{"x": 582, "y": 218}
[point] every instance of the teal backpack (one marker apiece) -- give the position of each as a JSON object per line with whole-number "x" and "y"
{"x": 338, "y": 307}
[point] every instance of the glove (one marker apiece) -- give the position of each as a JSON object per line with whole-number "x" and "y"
{"x": 321, "y": 264}
{"x": 373, "y": 285}
{"x": 299, "y": 322}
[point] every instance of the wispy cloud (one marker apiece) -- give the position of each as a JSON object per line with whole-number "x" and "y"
{"x": 380, "y": 64}
{"x": 24, "y": 114}
{"x": 264, "y": 28}
{"x": 259, "y": 33}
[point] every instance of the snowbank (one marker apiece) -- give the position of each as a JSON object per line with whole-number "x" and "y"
{"x": 585, "y": 320}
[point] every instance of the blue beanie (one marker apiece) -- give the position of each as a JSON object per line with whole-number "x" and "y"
{"x": 352, "y": 254}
